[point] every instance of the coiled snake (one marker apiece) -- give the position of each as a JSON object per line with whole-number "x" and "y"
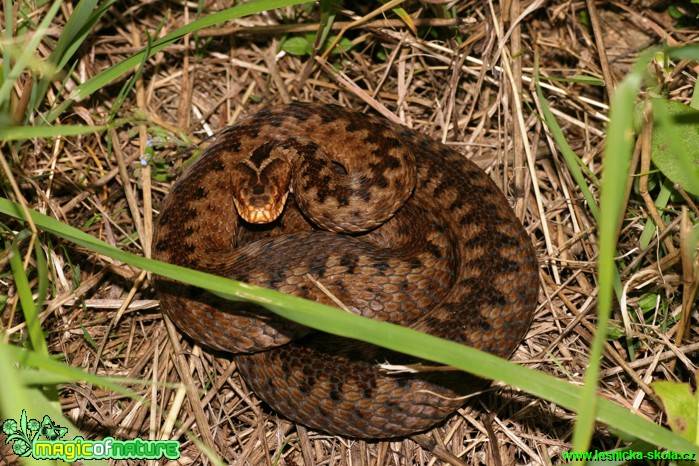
{"x": 395, "y": 225}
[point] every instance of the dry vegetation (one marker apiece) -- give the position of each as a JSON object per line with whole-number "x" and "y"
{"x": 467, "y": 82}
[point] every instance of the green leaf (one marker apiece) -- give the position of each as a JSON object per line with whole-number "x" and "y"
{"x": 675, "y": 146}
{"x": 342, "y": 46}
{"x": 690, "y": 52}
{"x": 681, "y": 408}
{"x": 407, "y": 19}
{"x": 298, "y": 46}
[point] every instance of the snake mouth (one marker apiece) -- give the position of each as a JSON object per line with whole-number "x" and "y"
{"x": 260, "y": 214}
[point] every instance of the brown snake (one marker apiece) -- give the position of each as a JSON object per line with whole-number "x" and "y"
{"x": 397, "y": 226}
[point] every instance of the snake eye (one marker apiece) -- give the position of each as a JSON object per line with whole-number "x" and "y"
{"x": 338, "y": 168}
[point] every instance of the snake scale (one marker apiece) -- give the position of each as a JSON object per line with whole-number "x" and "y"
{"x": 395, "y": 225}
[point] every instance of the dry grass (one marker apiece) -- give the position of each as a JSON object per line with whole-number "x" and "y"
{"x": 458, "y": 83}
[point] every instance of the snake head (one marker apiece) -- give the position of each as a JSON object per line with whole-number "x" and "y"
{"x": 261, "y": 186}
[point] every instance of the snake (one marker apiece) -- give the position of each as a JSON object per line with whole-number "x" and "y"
{"x": 394, "y": 225}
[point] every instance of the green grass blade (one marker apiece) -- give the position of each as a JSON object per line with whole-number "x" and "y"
{"x": 46, "y": 364}
{"x": 42, "y": 272}
{"x": 18, "y": 133}
{"x": 6, "y": 59}
{"x": 580, "y": 79}
{"x": 572, "y": 160}
{"x": 124, "y": 66}
{"x": 27, "y": 54}
{"x": 328, "y": 11}
{"x": 16, "y": 396}
{"x": 617, "y": 161}
{"x": 18, "y": 390}
{"x": 80, "y": 23}
{"x": 31, "y": 315}
{"x": 661, "y": 202}
{"x": 387, "y": 335}
{"x": 130, "y": 83}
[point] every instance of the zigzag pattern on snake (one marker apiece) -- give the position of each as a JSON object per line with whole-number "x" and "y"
{"x": 397, "y": 226}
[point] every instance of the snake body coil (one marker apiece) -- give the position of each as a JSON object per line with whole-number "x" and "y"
{"x": 395, "y": 225}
